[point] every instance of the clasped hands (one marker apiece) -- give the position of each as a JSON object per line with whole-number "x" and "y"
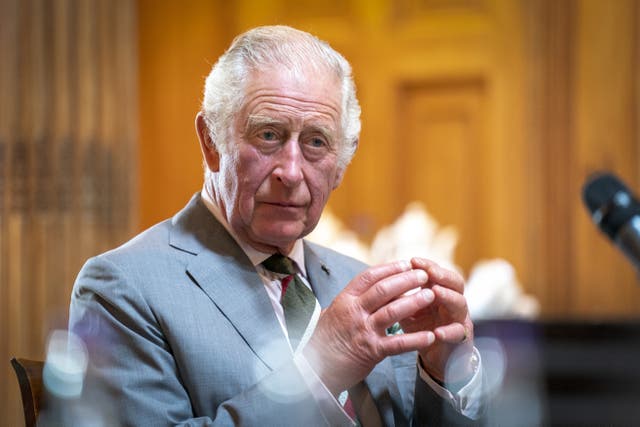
{"x": 350, "y": 338}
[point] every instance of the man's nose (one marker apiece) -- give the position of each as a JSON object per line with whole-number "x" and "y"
{"x": 289, "y": 167}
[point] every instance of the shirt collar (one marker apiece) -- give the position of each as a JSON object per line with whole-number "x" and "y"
{"x": 256, "y": 257}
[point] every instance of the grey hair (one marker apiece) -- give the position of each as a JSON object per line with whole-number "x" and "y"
{"x": 276, "y": 45}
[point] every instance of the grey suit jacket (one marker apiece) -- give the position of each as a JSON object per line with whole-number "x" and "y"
{"x": 181, "y": 331}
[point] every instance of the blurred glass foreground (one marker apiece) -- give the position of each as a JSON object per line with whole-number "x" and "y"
{"x": 64, "y": 376}
{"x": 66, "y": 365}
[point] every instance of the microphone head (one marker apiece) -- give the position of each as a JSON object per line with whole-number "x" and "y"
{"x": 610, "y": 202}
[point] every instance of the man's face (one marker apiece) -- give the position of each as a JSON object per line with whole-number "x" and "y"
{"x": 281, "y": 164}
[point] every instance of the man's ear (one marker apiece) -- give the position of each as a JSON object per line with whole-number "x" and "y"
{"x": 340, "y": 171}
{"x": 338, "y": 178}
{"x": 209, "y": 152}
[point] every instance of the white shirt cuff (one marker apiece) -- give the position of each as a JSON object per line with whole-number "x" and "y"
{"x": 469, "y": 399}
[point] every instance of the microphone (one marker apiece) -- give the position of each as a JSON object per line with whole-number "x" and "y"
{"x": 616, "y": 211}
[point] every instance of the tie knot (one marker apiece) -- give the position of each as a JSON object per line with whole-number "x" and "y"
{"x": 281, "y": 264}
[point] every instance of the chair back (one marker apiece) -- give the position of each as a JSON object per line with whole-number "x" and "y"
{"x": 29, "y": 374}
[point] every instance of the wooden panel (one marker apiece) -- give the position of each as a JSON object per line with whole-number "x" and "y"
{"x": 441, "y": 18}
{"x": 340, "y": 9}
{"x": 178, "y": 44}
{"x": 549, "y": 144}
{"x": 68, "y": 161}
{"x": 606, "y": 128}
{"x": 443, "y": 145}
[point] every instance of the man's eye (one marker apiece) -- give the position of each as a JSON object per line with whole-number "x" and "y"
{"x": 317, "y": 142}
{"x": 268, "y": 135}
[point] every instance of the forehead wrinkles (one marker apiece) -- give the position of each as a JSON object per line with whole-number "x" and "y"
{"x": 270, "y": 108}
{"x": 293, "y": 103}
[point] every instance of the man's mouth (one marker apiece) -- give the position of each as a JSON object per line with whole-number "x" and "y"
{"x": 284, "y": 204}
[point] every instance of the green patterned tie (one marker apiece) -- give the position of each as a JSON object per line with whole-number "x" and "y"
{"x": 298, "y": 301}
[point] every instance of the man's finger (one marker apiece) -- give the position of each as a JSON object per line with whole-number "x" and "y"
{"x": 392, "y": 287}
{"x": 401, "y": 308}
{"x": 454, "y": 302}
{"x": 440, "y": 275}
{"x": 453, "y": 333}
{"x": 373, "y": 275}
{"x": 402, "y": 343}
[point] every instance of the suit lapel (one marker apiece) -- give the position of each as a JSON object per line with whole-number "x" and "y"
{"x": 223, "y": 271}
{"x": 325, "y": 284}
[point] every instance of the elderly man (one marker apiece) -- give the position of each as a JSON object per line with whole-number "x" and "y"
{"x": 224, "y": 315}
